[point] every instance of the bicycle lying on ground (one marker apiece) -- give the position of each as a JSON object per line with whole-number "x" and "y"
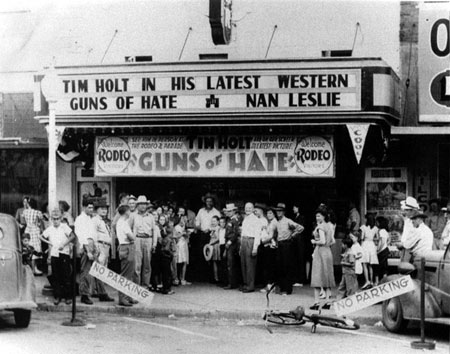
{"x": 298, "y": 317}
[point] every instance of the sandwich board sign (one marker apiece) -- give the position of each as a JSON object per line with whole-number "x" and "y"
{"x": 121, "y": 284}
{"x": 374, "y": 295}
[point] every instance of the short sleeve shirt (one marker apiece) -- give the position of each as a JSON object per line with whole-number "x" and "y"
{"x": 57, "y": 237}
{"x": 122, "y": 229}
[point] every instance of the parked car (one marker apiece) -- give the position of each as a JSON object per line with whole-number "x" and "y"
{"x": 17, "y": 288}
{"x": 399, "y": 310}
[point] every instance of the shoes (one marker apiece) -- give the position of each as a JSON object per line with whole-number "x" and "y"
{"x": 105, "y": 298}
{"x": 132, "y": 301}
{"x": 366, "y": 286}
{"x": 125, "y": 304}
{"x": 263, "y": 290}
{"x": 298, "y": 284}
{"x": 176, "y": 282}
{"x": 37, "y": 272}
{"x": 316, "y": 306}
{"x": 168, "y": 292}
{"x": 95, "y": 296}
{"x": 86, "y": 300}
{"x": 184, "y": 282}
{"x": 327, "y": 306}
{"x": 56, "y": 302}
{"x": 248, "y": 290}
{"x": 68, "y": 302}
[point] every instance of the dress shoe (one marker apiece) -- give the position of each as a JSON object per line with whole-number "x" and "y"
{"x": 86, "y": 300}
{"x": 56, "y": 302}
{"x": 248, "y": 290}
{"x": 316, "y": 306}
{"x": 327, "y": 306}
{"x": 105, "y": 298}
{"x": 125, "y": 304}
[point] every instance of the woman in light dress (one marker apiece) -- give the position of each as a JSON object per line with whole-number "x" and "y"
{"x": 369, "y": 232}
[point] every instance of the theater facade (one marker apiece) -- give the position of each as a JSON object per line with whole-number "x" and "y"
{"x": 264, "y": 130}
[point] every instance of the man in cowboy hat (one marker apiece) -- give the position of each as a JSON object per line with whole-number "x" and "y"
{"x": 423, "y": 241}
{"x": 103, "y": 245}
{"x": 144, "y": 227}
{"x": 232, "y": 245}
{"x": 203, "y": 227}
{"x": 286, "y": 230}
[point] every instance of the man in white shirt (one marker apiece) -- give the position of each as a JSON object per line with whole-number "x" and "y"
{"x": 87, "y": 236}
{"x": 198, "y": 265}
{"x": 144, "y": 227}
{"x": 103, "y": 245}
{"x": 127, "y": 256}
{"x": 445, "y": 237}
{"x": 250, "y": 241}
{"x": 408, "y": 206}
{"x": 423, "y": 243}
{"x": 59, "y": 236}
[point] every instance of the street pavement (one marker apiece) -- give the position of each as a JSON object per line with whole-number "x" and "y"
{"x": 106, "y": 333}
{"x": 206, "y": 301}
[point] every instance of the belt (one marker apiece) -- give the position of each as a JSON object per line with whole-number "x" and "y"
{"x": 104, "y": 243}
{"x": 248, "y": 236}
{"x": 143, "y": 236}
{"x": 126, "y": 244}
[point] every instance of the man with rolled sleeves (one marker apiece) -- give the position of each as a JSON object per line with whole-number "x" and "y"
{"x": 103, "y": 245}
{"x": 232, "y": 245}
{"x": 250, "y": 241}
{"x": 126, "y": 252}
{"x": 143, "y": 225}
{"x": 87, "y": 236}
{"x": 286, "y": 232}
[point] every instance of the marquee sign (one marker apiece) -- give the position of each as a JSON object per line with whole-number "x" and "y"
{"x": 434, "y": 61}
{"x": 215, "y": 156}
{"x": 119, "y": 94}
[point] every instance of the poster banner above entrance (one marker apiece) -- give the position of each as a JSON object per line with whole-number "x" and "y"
{"x": 215, "y": 156}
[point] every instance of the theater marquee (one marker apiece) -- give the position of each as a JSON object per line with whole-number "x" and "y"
{"x": 215, "y": 156}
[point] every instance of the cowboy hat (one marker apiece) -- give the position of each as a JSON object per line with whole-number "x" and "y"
{"x": 208, "y": 252}
{"x": 230, "y": 207}
{"x": 409, "y": 203}
{"x": 211, "y": 196}
{"x": 418, "y": 214}
{"x": 280, "y": 207}
{"x": 142, "y": 199}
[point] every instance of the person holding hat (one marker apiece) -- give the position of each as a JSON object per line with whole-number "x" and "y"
{"x": 103, "y": 245}
{"x": 422, "y": 243}
{"x": 287, "y": 230}
{"x": 59, "y": 236}
{"x": 144, "y": 227}
{"x": 232, "y": 236}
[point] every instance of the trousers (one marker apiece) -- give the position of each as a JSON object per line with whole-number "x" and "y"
{"x": 143, "y": 267}
{"x": 248, "y": 263}
{"x": 127, "y": 266}
{"x": 86, "y": 280}
{"x": 61, "y": 276}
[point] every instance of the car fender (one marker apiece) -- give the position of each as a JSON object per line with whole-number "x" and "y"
{"x": 411, "y": 301}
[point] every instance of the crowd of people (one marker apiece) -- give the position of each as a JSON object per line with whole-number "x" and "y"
{"x": 159, "y": 246}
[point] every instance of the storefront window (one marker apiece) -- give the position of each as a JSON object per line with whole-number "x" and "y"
{"x": 23, "y": 172}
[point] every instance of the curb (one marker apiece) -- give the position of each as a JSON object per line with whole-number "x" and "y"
{"x": 166, "y": 312}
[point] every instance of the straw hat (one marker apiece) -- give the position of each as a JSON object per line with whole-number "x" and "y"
{"x": 208, "y": 252}
{"x": 409, "y": 203}
{"x": 142, "y": 199}
{"x": 230, "y": 207}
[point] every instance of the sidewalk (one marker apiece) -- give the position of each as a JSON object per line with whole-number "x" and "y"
{"x": 206, "y": 301}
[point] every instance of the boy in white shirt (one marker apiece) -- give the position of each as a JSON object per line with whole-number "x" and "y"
{"x": 59, "y": 236}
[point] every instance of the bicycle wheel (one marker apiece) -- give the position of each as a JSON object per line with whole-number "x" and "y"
{"x": 336, "y": 322}
{"x": 282, "y": 318}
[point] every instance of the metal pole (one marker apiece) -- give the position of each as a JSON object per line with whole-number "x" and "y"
{"x": 52, "y": 155}
{"x": 422, "y": 344}
{"x": 74, "y": 322}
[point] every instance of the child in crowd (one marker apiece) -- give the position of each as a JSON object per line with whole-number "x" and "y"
{"x": 27, "y": 250}
{"x": 59, "y": 236}
{"x": 180, "y": 234}
{"x": 214, "y": 241}
{"x": 368, "y": 234}
{"x": 168, "y": 249}
{"x": 223, "y": 258}
{"x": 357, "y": 251}
{"x": 382, "y": 243}
{"x": 349, "y": 284}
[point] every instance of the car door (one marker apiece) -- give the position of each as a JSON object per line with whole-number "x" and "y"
{"x": 444, "y": 280}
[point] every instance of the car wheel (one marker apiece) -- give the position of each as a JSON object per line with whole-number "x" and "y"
{"x": 392, "y": 312}
{"x": 22, "y": 318}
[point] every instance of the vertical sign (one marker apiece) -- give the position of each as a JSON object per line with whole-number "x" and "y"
{"x": 422, "y": 187}
{"x": 358, "y": 134}
{"x": 220, "y": 21}
{"x": 434, "y": 62}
